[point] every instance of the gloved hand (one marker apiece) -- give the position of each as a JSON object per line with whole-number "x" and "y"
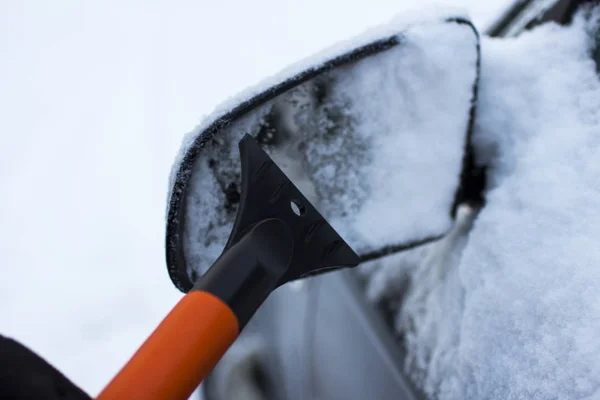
{"x": 25, "y": 375}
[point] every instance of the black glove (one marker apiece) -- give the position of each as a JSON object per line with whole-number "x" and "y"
{"x": 25, "y": 375}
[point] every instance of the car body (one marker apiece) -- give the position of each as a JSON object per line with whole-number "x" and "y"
{"x": 319, "y": 338}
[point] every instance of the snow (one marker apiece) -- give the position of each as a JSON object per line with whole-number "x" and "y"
{"x": 510, "y": 308}
{"x": 384, "y": 137}
{"x": 95, "y": 97}
{"x": 437, "y": 63}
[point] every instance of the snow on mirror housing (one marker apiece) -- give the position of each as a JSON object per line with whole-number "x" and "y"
{"x": 373, "y": 132}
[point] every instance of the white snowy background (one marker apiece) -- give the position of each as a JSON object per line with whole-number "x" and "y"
{"x": 95, "y": 98}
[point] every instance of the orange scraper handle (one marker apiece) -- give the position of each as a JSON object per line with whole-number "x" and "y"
{"x": 180, "y": 353}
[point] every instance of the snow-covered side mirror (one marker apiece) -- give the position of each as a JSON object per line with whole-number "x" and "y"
{"x": 374, "y": 132}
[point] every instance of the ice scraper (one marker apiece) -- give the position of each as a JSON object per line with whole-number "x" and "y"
{"x": 357, "y": 153}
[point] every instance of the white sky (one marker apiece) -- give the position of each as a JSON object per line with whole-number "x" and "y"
{"x": 94, "y": 100}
